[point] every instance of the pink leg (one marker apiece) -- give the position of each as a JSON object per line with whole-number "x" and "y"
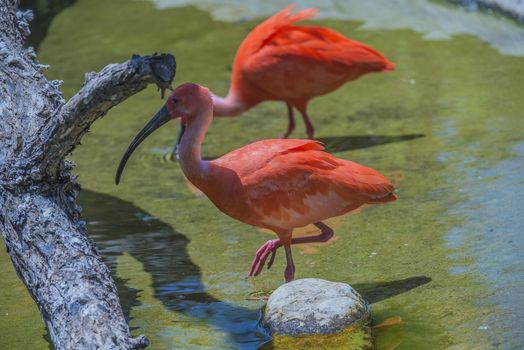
{"x": 291, "y": 121}
{"x": 326, "y": 233}
{"x": 310, "y": 130}
{"x": 289, "y": 273}
{"x": 271, "y": 246}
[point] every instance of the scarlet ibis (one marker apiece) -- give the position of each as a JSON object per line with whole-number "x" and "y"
{"x": 273, "y": 184}
{"x": 279, "y": 61}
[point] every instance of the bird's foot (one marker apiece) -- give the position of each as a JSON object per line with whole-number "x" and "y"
{"x": 310, "y": 133}
{"x": 286, "y": 134}
{"x": 270, "y": 247}
{"x": 289, "y": 273}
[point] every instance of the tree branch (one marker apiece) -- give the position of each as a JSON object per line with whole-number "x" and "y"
{"x": 64, "y": 274}
{"x": 106, "y": 89}
{"x": 39, "y": 218}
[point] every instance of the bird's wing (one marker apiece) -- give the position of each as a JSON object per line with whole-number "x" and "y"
{"x": 319, "y": 168}
{"x": 306, "y": 183}
{"x": 306, "y": 60}
{"x": 251, "y": 158}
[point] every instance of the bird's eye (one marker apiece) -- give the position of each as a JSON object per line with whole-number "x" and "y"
{"x": 175, "y": 101}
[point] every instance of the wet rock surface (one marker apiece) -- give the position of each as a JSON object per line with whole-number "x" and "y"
{"x": 314, "y": 306}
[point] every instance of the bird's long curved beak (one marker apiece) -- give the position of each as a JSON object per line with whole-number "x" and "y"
{"x": 157, "y": 121}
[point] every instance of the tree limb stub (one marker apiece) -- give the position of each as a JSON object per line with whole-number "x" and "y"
{"x": 39, "y": 218}
{"x": 106, "y": 89}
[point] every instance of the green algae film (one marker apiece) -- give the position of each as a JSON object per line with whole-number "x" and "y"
{"x": 450, "y": 107}
{"x": 357, "y": 337}
{"x": 20, "y": 322}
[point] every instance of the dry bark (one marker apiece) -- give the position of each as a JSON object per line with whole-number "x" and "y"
{"x": 39, "y": 219}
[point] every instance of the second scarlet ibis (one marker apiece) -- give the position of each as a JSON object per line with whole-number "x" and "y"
{"x": 280, "y": 61}
{"x": 274, "y": 184}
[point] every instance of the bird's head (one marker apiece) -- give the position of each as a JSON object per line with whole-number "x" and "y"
{"x": 185, "y": 102}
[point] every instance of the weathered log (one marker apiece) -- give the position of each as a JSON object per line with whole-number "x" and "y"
{"x": 39, "y": 219}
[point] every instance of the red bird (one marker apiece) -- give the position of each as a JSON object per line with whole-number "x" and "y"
{"x": 280, "y": 61}
{"x": 274, "y": 184}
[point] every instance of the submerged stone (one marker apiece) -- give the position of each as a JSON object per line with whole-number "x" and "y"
{"x": 314, "y": 306}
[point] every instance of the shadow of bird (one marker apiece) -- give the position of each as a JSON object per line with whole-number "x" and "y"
{"x": 377, "y": 291}
{"x": 119, "y": 227}
{"x": 353, "y": 142}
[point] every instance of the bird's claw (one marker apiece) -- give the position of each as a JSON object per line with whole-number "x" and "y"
{"x": 272, "y": 259}
{"x": 284, "y": 136}
{"x": 310, "y": 134}
{"x": 270, "y": 247}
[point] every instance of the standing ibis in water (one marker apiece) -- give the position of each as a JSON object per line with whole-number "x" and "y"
{"x": 280, "y": 61}
{"x": 274, "y": 184}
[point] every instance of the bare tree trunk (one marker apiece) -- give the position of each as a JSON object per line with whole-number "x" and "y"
{"x": 39, "y": 218}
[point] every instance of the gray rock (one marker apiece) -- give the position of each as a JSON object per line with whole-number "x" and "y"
{"x": 314, "y": 306}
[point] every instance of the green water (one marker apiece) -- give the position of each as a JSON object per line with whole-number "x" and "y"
{"x": 446, "y": 126}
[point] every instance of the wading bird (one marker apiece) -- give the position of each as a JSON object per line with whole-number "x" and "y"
{"x": 279, "y": 61}
{"x": 274, "y": 184}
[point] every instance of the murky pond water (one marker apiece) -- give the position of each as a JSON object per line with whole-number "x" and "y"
{"x": 447, "y": 126}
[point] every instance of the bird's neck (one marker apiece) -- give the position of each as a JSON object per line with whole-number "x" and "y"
{"x": 228, "y": 106}
{"x": 194, "y": 168}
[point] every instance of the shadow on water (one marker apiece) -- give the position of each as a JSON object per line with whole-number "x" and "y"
{"x": 336, "y": 144}
{"x": 353, "y": 142}
{"x": 375, "y": 292}
{"x": 44, "y": 11}
{"x": 120, "y": 227}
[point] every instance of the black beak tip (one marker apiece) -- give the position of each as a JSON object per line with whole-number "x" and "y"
{"x": 117, "y": 176}
{"x": 162, "y": 117}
